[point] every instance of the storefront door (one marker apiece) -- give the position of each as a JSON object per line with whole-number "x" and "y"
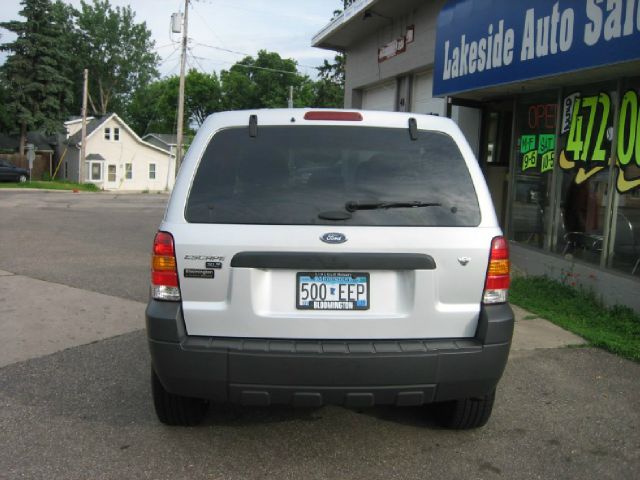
{"x": 494, "y": 153}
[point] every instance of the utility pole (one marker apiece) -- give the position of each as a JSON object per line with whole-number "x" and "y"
{"x": 183, "y": 62}
{"x": 85, "y": 90}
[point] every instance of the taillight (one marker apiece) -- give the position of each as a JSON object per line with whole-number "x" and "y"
{"x": 164, "y": 273}
{"x": 496, "y": 285}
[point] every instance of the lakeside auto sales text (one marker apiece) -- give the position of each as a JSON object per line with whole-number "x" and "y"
{"x": 542, "y": 36}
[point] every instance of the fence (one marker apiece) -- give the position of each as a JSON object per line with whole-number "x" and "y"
{"x": 42, "y": 164}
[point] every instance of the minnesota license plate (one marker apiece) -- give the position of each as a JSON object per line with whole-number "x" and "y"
{"x": 332, "y": 291}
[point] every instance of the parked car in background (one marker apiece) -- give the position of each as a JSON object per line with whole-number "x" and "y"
{"x": 314, "y": 256}
{"x": 11, "y": 173}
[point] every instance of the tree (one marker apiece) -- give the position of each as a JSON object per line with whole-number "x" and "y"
{"x": 153, "y": 107}
{"x": 260, "y": 82}
{"x": 5, "y": 117}
{"x": 330, "y": 86}
{"x": 264, "y": 82}
{"x": 203, "y": 95}
{"x": 65, "y": 15}
{"x": 35, "y": 70}
{"x": 118, "y": 53}
{"x": 329, "y": 91}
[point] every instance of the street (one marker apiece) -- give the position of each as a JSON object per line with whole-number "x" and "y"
{"x": 79, "y": 405}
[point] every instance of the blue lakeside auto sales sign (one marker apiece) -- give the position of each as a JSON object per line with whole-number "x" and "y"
{"x": 482, "y": 43}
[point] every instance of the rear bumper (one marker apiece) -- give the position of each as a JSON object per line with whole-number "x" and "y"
{"x": 355, "y": 373}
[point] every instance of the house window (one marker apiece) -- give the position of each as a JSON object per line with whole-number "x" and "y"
{"x": 116, "y": 134}
{"x": 111, "y": 173}
{"x": 94, "y": 171}
{"x": 128, "y": 171}
{"x": 107, "y": 133}
{"x": 152, "y": 171}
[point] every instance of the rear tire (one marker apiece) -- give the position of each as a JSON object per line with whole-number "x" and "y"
{"x": 467, "y": 413}
{"x": 175, "y": 409}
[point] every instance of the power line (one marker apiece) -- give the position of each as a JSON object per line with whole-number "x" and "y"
{"x": 224, "y": 49}
{"x": 168, "y": 57}
{"x": 211, "y": 30}
{"x": 244, "y": 54}
{"x": 251, "y": 66}
{"x": 172, "y": 44}
{"x": 190, "y": 50}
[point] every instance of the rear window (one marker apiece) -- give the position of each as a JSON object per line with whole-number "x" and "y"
{"x": 327, "y": 175}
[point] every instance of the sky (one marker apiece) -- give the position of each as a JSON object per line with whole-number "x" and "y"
{"x": 217, "y": 26}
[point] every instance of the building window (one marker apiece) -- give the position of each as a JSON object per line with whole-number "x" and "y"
{"x": 152, "y": 171}
{"x": 116, "y": 134}
{"x": 107, "y": 133}
{"x": 585, "y": 181}
{"x": 111, "y": 173}
{"x": 94, "y": 171}
{"x": 624, "y": 233}
{"x": 128, "y": 171}
{"x": 535, "y": 143}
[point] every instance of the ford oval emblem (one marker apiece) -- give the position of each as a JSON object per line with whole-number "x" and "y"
{"x": 333, "y": 237}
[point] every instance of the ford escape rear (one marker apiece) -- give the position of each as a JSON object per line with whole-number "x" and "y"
{"x": 310, "y": 257}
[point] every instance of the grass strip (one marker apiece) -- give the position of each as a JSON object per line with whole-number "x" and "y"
{"x": 616, "y": 329}
{"x": 53, "y": 185}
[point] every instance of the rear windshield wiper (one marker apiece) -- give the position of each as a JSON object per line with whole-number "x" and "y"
{"x": 352, "y": 206}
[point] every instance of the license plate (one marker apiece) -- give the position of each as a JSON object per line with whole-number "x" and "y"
{"x": 332, "y": 291}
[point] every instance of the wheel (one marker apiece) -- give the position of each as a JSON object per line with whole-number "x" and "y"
{"x": 466, "y": 413}
{"x": 22, "y": 178}
{"x": 175, "y": 409}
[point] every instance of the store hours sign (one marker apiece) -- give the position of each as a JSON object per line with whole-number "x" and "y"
{"x": 483, "y": 43}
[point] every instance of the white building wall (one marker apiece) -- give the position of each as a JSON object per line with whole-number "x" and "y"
{"x": 381, "y": 97}
{"x": 470, "y": 122}
{"x": 370, "y": 84}
{"x": 422, "y": 100}
{"x": 73, "y": 128}
{"x": 362, "y": 67}
{"x": 128, "y": 150}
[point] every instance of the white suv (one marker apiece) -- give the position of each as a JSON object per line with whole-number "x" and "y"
{"x": 316, "y": 256}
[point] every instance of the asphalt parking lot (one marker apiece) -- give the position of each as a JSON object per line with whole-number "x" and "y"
{"x": 78, "y": 406}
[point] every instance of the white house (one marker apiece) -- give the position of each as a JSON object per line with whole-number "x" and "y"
{"x": 116, "y": 158}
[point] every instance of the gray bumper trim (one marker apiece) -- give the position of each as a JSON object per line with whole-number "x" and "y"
{"x": 310, "y": 373}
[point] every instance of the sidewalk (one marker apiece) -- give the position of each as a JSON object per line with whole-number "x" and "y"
{"x": 38, "y": 318}
{"x": 532, "y": 332}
